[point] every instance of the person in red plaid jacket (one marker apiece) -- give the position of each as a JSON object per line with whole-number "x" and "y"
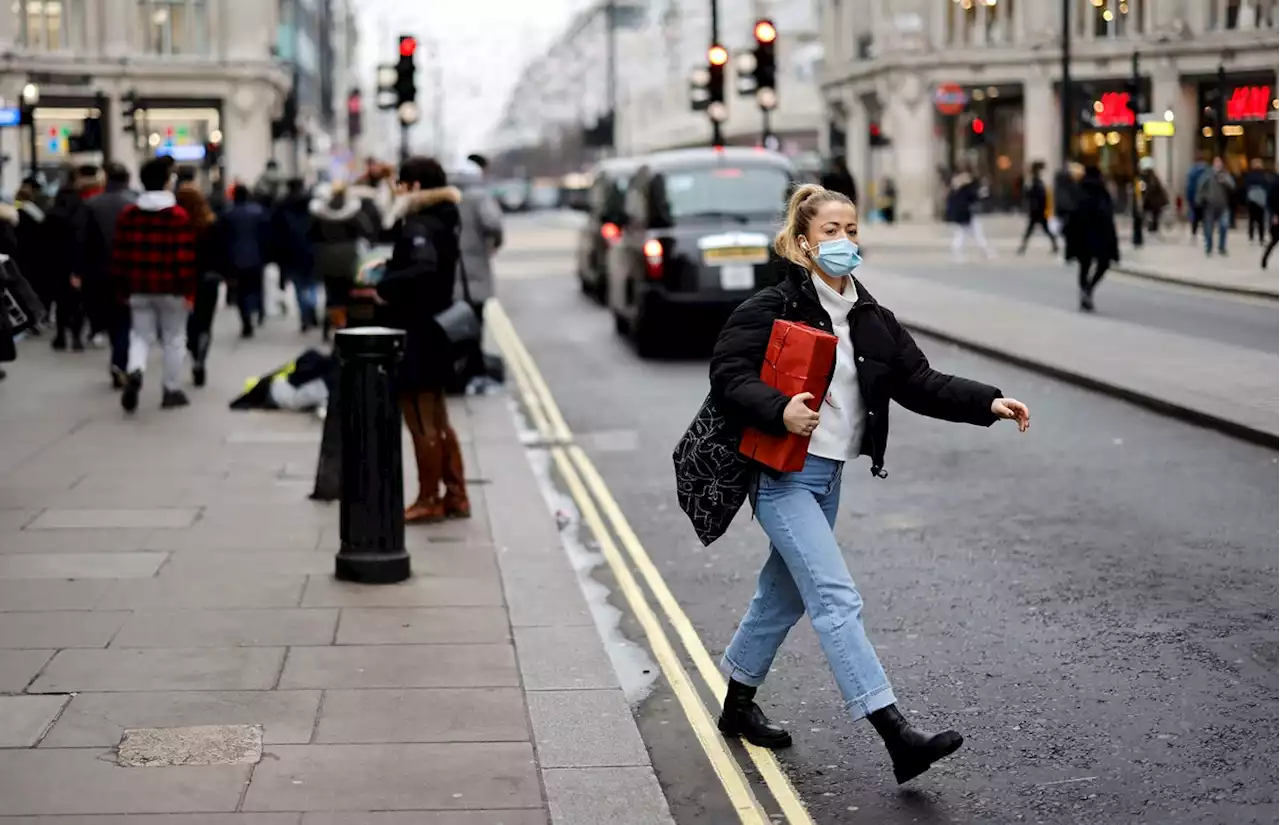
{"x": 154, "y": 262}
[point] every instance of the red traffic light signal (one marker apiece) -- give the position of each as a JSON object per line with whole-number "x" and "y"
{"x": 765, "y": 32}
{"x": 408, "y": 45}
{"x": 717, "y": 55}
{"x": 978, "y": 126}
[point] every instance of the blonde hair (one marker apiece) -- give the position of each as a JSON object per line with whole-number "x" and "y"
{"x": 801, "y": 208}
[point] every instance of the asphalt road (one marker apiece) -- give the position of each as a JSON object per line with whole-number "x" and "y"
{"x": 1037, "y": 278}
{"x": 1092, "y": 604}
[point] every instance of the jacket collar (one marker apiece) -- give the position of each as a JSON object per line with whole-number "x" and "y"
{"x": 156, "y": 201}
{"x": 800, "y": 280}
{"x": 323, "y": 208}
{"x": 425, "y": 199}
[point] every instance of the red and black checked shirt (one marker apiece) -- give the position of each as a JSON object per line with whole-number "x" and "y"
{"x": 154, "y": 252}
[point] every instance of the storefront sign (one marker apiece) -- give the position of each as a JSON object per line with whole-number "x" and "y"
{"x": 1112, "y": 109}
{"x": 1158, "y": 128}
{"x": 1249, "y": 103}
{"x": 950, "y": 98}
{"x": 10, "y": 116}
{"x": 182, "y": 154}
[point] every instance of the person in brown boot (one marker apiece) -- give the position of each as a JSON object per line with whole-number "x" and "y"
{"x": 419, "y": 284}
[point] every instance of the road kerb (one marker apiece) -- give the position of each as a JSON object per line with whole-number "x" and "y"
{"x": 1153, "y": 274}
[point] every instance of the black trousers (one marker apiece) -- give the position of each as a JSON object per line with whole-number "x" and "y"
{"x": 200, "y": 321}
{"x": 1040, "y": 222}
{"x": 248, "y": 288}
{"x": 1271, "y": 245}
{"x": 69, "y": 313}
{"x": 1089, "y": 282}
{"x": 1258, "y": 219}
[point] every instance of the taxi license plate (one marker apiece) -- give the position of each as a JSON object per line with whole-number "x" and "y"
{"x": 719, "y": 256}
{"x": 737, "y": 276}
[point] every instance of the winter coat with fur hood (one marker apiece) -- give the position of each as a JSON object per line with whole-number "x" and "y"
{"x": 339, "y": 228}
{"x": 419, "y": 283}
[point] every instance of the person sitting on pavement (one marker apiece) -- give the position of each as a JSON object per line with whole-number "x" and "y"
{"x": 806, "y": 571}
{"x": 340, "y": 228}
{"x": 1213, "y": 199}
{"x": 1093, "y": 239}
{"x": 154, "y": 261}
{"x": 245, "y": 235}
{"x": 419, "y": 284}
{"x": 210, "y": 263}
{"x": 106, "y": 209}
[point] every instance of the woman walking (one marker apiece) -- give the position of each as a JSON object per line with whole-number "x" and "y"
{"x": 210, "y": 256}
{"x": 339, "y": 227}
{"x": 876, "y": 362}
{"x": 418, "y": 285}
{"x": 1092, "y": 239}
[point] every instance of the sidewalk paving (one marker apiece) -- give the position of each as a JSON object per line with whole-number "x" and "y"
{"x": 173, "y": 643}
{"x": 1173, "y": 259}
{"x": 1228, "y": 388}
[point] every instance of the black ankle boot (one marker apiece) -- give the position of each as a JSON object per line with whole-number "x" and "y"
{"x": 743, "y": 717}
{"x": 912, "y": 751}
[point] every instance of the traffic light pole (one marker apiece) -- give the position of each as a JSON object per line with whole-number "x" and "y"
{"x": 1137, "y": 170}
{"x": 1221, "y": 108}
{"x": 611, "y": 71}
{"x": 717, "y": 134}
{"x": 404, "y": 142}
{"x": 768, "y": 127}
{"x": 1068, "y": 118}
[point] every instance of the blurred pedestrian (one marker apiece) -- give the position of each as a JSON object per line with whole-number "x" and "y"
{"x": 106, "y": 209}
{"x": 962, "y": 202}
{"x": 154, "y": 259}
{"x": 70, "y": 222}
{"x": 419, "y": 285}
{"x": 1093, "y": 236}
{"x": 838, "y": 178}
{"x": 1257, "y": 185}
{"x": 1066, "y": 196}
{"x": 806, "y": 572}
{"x": 481, "y": 235}
{"x": 245, "y": 236}
{"x": 1194, "y": 213}
{"x": 210, "y": 262}
{"x": 291, "y": 249}
{"x": 1037, "y": 200}
{"x": 1155, "y": 198}
{"x": 1273, "y": 212}
{"x": 340, "y": 232}
{"x": 1213, "y": 199}
{"x": 269, "y": 186}
{"x": 33, "y": 241}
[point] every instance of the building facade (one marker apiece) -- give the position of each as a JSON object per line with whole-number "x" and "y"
{"x": 203, "y": 74}
{"x": 915, "y": 88}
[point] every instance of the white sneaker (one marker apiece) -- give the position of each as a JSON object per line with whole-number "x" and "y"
{"x": 98, "y": 341}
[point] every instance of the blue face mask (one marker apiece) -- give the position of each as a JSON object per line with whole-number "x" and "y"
{"x": 838, "y": 258}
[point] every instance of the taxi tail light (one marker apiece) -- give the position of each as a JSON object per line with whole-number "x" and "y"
{"x": 653, "y": 258}
{"x": 610, "y": 232}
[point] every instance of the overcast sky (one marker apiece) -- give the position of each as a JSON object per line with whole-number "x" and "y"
{"x": 483, "y": 46}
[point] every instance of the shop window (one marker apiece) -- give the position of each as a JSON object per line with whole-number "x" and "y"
{"x": 962, "y": 20}
{"x": 1116, "y": 18}
{"x": 50, "y": 25}
{"x": 174, "y": 26}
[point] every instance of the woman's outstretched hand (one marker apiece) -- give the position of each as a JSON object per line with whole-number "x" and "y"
{"x": 797, "y": 417}
{"x": 1013, "y": 410}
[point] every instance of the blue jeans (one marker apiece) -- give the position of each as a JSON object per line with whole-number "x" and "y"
{"x": 306, "y": 289}
{"x": 806, "y": 572}
{"x": 1212, "y": 221}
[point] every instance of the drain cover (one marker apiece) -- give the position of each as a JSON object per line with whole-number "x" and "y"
{"x": 197, "y": 745}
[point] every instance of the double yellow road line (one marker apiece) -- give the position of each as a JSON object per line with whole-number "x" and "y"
{"x": 597, "y": 505}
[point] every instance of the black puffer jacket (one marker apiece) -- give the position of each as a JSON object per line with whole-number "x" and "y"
{"x": 890, "y": 366}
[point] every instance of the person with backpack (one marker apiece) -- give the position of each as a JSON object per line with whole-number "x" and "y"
{"x": 1257, "y": 185}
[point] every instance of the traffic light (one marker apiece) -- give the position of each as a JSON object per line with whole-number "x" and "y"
{"x": 600, "y": 134}
{"x": 129, "y": 111}
{"x": 355, "y": 114}
{"x": 877, "y": 137}
{"x": 977, "y": 131}
{"x": 766, "y": 70}
{"x": 286, "y": 126}
{"x": 406, "y": 87}
{"x": 717, "y": 57}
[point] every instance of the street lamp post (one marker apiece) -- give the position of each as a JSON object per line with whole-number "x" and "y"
{"x": 30, "y": 99}
{"x": 1065, "y": 96}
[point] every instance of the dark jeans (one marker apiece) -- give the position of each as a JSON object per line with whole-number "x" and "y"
{"x": 306, "y": 288}
{"x": 1220, "y": 221}
{"x": 1035, "y": 222}
{"x": 200, "y": 321}
{"x": 69, "y": 312}
{"x": 1088, "y": 283}
{"x": 1275, "y": 236}
{"x": 1258, "y": 219}
{"x": 120, "y": 322}
{"x": 248, "y": 289}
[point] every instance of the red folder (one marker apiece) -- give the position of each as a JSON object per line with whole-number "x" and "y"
{"x": 799, "y": 359}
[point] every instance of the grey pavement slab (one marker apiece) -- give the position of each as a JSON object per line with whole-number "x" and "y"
{"x": 439, "y": 715}
{"x": 408, "y": 777}
{"x": 419, "y": 591}
{"x": 250, "y": 668}
{"x": 14, "y": 518}
{"x": 422, "y": 625}
{"x": 226, "y": 590}
{"x": 554, "y": 600}
{"x": 507, "y": 817}
{"x": 245, "y": 537}
{"x": 617, "y": 796}
{"x": 158, "y": 819}
{"x": 54, "y": 630}
{"x": 585, "y": 729}
{"x": 268, "y": 627}
{"x": 200, "y": 563}
{"x": 23, "y": 719}
{"x": 87, "y": 781}
{"x": 80, "y": 565}
{"x": 100, "y": 719}
{"x": 1228, "y": 387}
{"x": 192, "y": 745}
{"x": 19, "y": 667}
{"x": 396, "y": 666}
{"x": 156, "y": 518}
{"x": 51, "y": 594}
{"x": 74, "y": 541}
{"x": 563, "y": 658}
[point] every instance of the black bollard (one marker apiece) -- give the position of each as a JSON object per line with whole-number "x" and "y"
{"x": 372, "y": 505}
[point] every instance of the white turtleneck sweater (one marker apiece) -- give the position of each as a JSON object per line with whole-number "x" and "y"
{"x": 841, "y": 416}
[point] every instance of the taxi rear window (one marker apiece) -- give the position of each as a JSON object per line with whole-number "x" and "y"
{"x": 734, "y": 190}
